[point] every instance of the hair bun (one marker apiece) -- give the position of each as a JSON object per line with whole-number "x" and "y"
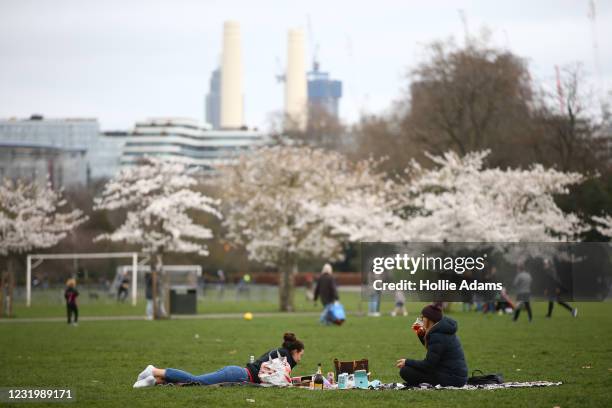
{"x": 289, "y": 337}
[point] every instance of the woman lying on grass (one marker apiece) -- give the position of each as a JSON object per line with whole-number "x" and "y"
{"x": 292, "y": 349}
{"x": 444, "y": 363}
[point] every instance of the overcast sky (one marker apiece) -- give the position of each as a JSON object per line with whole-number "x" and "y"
{"x": 123, "y": 61}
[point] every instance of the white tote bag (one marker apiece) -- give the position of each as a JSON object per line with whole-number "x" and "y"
{"x": 275, "y": 371}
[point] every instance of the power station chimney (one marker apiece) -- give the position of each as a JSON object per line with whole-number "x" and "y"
{"x": 231, "y": 77}
{"x": 296, "y": 97}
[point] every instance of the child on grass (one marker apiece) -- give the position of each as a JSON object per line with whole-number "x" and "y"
{"x": 71, "y": 295}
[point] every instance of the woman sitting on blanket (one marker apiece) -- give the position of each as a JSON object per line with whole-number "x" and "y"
{"x": 444, "y": 363}
{"x": 292, "y": 349}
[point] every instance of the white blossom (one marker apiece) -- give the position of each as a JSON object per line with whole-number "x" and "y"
{"x": 461, "y": 201}
{"x": 604, "y": 225}
{"x": 281, "y": 200}
{"x": 458, "y": 200}
{"x": 31, "y": 217}
{"x": 158, "y": 193}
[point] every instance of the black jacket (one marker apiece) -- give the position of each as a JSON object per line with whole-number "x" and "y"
{"x": 326, "y": 289}
{"x": 254, "y": 368}
{"x": 444, "y": 357}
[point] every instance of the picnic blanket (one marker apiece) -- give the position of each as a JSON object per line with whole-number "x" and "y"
{"x": 529, "y": 384}
{"x": 377, "y": 385}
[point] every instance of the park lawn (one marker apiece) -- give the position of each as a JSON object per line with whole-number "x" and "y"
{"x": 47, "y": 306}
{"x": 100, "y": 360}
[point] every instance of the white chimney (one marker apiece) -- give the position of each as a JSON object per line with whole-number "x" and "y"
{"x": 231, "y": 77}
{"x": 296, "y": 97}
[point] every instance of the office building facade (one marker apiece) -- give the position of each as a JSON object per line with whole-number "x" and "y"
{"x": 43, "y": 163}
{"x": 324, "y": 92}
{"x": 188, "y": 141}
{"x": 59, "y": 139}
{"x": 213, "y": 100}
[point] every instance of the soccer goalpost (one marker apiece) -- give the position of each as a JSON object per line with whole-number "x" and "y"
{"x": 41, "y": 257}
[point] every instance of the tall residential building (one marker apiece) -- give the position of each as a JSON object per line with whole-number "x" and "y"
{"x": 57, "y": 140}
{"x": 186, "y": 140}
{"x": 324, "y": 92}
{"x": 213, "y": 100}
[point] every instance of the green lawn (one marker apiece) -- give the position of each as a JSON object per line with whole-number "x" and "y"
{"x": 51, "y": 304}
{"x": 100, "y": 360}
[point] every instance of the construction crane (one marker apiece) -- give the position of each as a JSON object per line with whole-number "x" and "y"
{"x": 560, "y": 91}
{"x": 592, "y": 15}
{"x": 313, "y": 45}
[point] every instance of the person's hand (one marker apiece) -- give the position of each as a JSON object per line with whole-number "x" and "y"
{"x": 418, "y": 330}
{"x": 400, "y": 363}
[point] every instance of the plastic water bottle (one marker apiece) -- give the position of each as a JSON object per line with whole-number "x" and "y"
{"x": 251, "y": 359}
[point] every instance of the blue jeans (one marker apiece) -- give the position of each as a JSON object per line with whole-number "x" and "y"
{"x": 374, "y": 303}
{"x": 226, "y": 374}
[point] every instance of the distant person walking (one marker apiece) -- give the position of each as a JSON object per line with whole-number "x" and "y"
{"x": 327, "y": 290}
{"x": 122, "y": 291}
{"x": 71, "y": 295}
{"x": 522, "y": 284}
{"x": 309, "y": 287}
{"x": 244, "y": 286}
{"x": 553, "y": 289}
{"x": 221, "y": 282}
{"x": 400, "y": 304}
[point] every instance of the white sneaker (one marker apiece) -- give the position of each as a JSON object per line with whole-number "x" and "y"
{"x": 146, "y": 372}
{"x": 145, "y": 382}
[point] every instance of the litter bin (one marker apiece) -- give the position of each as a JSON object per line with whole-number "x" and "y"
{"x": 183, "y": 300}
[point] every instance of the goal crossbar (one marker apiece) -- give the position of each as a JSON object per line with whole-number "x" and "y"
{"x": 101, "y": 255}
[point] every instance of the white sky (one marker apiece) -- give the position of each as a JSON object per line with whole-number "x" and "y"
{"x": 123, "y": 61}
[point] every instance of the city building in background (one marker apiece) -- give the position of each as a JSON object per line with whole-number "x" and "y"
{"x": 189, "y": 142}
{"x": 213, "y": 100}
{"x": 29, "y": 142}
{"x": 42, "y": 163}
{"x": 231, "y": 116}
{"x": 324, "y": 92}
{"x": 296, "y": 97}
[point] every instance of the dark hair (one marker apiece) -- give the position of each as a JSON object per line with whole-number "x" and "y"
{"x": 432, "y": 312}
{"x": 290, "y": 342}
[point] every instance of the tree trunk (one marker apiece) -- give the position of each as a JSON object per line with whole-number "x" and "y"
{"x": 10, "y": 282}
{"x": 155, "y": 274}
{"x": 3, "y": 279}
{"x": 286, "y": 287}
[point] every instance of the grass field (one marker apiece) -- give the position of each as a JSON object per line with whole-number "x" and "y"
{"x": 50, "y": 303}
{"x": 100, "y": 360}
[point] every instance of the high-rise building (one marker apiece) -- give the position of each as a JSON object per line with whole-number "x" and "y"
{"x": 323, "y": 92}
{"x": 213, "y": 100}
